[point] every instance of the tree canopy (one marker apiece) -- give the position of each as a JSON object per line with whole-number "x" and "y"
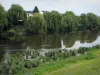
{"x": 36, "y": 10}
{"x": 16, "y": 13}
{"x": 93, "y": 22}
{"x": 3, "y": 19}
{"x": 49, "y": 21}
{"x": 83, "y": 21}
{"x": 35, "y": 24}
{"x": 53, "y": 20}
{"x": 69, "y": 20}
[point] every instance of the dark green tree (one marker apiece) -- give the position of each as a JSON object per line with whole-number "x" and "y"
{"x": 69, "y": 21}
{"x": 36, "y": 10}
{"x": 3, "y": 19}
{"x": 99, "y": 20}
{"x": 93, "y": 23}
{"x": 83, "y": 21}
{"x": 35, "y": 24}
{"x": 53, "y": 20}
{"x": 15, "y": 14}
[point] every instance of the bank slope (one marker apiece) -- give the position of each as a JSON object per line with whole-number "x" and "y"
{"x": 77, "y": 65}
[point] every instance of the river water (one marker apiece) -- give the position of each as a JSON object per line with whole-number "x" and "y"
{"x": 48, "y": 42}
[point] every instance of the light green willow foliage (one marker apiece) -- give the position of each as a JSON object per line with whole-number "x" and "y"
{"x": 35, "y": 24}
{"x": 53, "y": 20}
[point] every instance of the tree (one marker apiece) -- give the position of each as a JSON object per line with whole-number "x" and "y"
{"x": 3, "y": 19}
{"x": 69, "y": 21}
{"x": 36, "y": 10}
{"x": 15, "y": 14}
{"x": 99, "y": 21}
{"x": 53, "y": 20}
{"x": 93, "y": 23}
{"x": 83, "y": 21}
{"x": 35, "y": 24}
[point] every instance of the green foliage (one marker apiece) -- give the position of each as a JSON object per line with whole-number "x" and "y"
{"x": 68, "y": 66}
{"x": 18, "y": 64}
{"x": 93, "y": 23}
{"x": 60, "y": 54}
{"x": 50, "y": 22}
{"x": 83, "y": 21}
{"x": 35, "y": 24}
{"x": 36, "y": 10}
{"x": 28, "y": 64}
{"x": 90, "y": 56}
{"x": 11, "y": 32}
{"x": 3, "y": 19}
{"x": 15, "y": 14}
{"x": 53, "y": 21}
{"x": 14, "y": 64}
{"x": 69, "y": 21}
{"x": 35, "y": 54}
{"x": 83, "y": 50}
{"x": 98, "y": 20}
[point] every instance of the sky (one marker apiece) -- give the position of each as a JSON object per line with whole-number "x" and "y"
{"x": 77, "y": 6}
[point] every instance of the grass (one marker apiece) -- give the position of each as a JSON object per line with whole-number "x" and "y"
{"x": 90, "y": 67}
{"x": 88, "y": 64}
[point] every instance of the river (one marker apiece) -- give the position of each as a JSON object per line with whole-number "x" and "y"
{"x": 48, "y": 42}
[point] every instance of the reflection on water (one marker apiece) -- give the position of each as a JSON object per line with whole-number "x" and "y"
{"x": 49, "y": 42}
{"x": 69, "y": 40}
{"x": 78, "y": 44}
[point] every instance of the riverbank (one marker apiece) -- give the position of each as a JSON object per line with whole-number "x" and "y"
{"x": 87, "y": 64}
{"x": 57, "y": 62}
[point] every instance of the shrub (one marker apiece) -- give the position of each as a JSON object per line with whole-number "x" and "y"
{"x": 28, "y": 64}
{"x": 90, "y": 56}
{"x": 11, "y": 32}
{"x": 35, "y": 63}
{"x": 31, "y": 63}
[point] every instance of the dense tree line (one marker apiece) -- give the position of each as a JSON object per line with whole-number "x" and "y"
{"x": 3, "y": 19}
{"x": 48, "y": 22}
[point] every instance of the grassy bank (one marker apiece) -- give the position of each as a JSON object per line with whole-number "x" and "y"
{"x": 60, "y": 62}
{"x": 88, "y": 64}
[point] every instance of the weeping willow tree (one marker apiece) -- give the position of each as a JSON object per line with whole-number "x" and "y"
{"x": 3, "y": 19}
{"x": 15, "y": 14}
{"x": 35, "y": 24}
{"x": 53, "y": 21}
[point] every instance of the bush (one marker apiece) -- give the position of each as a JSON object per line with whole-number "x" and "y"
{"x": 35, "y": 63}
{"x": 90, "y": 56}
{"x": 11, "y": 32}
{"x": 28, "y": 64}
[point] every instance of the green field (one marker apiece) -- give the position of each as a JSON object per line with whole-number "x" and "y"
{"x": 88, "y": 64}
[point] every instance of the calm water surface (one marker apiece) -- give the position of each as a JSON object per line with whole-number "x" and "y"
{"x": 48, "y": 42}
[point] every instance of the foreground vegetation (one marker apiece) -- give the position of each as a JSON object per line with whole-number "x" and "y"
{"x": 33, "y": 63}
{"x": 87, "y": 64}
{"x": 17, "y": 19}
